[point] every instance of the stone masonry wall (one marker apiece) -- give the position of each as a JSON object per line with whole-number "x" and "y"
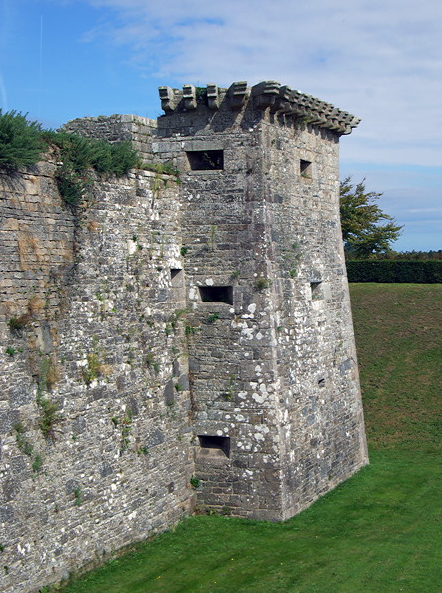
{"x": 118, "y": 128}
{"x": 231, "y": 356}
{"x": 321, "y": 420}
{"x": 273, "y": 372}
{"x": 94, "y": 400}
{"x": 232, "y": 360}
{"x": 165, "y": 331}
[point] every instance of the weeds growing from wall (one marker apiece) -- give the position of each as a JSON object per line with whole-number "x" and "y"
{"x": 125, "y": 426}
{"x": 18, "y": 323}
{"x": 201, "y": 94}
{"x": 49, "y": 415}
{"x": 37, "y": 463}
{"x": 166, "y": 168}
{"x": 152, "y": 363}
{"x": 49, "y": 412}
{"x": 190, "y": 329}
{"x": 261, "y": 284}
{"x": 78, "y": 496}
{"x": 80, "y": 155}
{"x": 229, "y": 392}
{"x": 22, "y": 443}
{"x": 126, "y": 429}
{"x": 293, "y": 258}
{"x": 195, "y": 482}
{"x": 142, "y": 450}
{"x": 27, "y": 448}
{"x": 11, "y": 351}
{"x": 93, "y": 369}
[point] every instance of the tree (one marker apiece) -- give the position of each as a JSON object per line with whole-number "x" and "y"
{"x": 361, "y": 217}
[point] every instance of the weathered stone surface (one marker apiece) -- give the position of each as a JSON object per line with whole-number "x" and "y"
{"x": 194, "y": 329}
{"x": 97, "y": 296}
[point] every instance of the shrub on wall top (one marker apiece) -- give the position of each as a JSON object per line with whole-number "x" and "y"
{"x": 21, "y": 142}
{"x": 89, "y": 153}
{"x": 79, "y": 154}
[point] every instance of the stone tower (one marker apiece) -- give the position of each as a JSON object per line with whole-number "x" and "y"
{"x": 191, "y": 338}
{"x": 277, "y": 413}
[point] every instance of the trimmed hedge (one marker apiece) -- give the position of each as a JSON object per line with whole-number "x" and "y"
{"x": 413, "y": 272}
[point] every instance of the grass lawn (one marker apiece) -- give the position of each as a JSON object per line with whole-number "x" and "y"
{"x": 381, "y": 531}
{"x": 398, "y": 331}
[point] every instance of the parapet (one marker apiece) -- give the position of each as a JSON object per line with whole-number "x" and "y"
{"x": 281, "y": 100}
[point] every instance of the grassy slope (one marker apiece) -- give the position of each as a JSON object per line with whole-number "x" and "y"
{"x": 380, "y": 531}
{"x": 398, "y": 331}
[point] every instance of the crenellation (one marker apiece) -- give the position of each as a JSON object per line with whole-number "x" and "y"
{"x": 281, "y": 101}
{"x": 212, "y": 96}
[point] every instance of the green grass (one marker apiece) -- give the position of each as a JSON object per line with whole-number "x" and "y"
{"x": 378, "y": 532}
{"x": 398, "y": 331}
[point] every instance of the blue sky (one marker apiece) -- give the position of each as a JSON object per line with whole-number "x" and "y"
{"x": 378, "y": 59}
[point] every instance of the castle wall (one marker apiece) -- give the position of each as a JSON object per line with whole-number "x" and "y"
{"x": 277, "y": 409}
{"x": 173, "y": 334}
{"x": 231, "y": 345}
{"x": 98, "y": 334}
{"x": 322, "y": 440}
{"x": 135, "y": 129}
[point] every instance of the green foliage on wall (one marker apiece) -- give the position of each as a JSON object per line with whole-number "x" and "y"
{"x": 80, "y": 155}
{"x": 22, "y": 143}
{"x": 161, "y": 168}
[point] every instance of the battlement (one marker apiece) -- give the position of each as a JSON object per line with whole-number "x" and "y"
{"x": 271, "y": 95}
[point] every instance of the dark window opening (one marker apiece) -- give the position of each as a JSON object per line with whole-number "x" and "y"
{"x": 206, "y": 160}
{"x": 306, "y": 169}
{"x": 216, "y": 294}
{"x": 176, "y": 277}
{"x": 316, "y": 290}
{"x": 169, "y": 394}
{"x": 216, "y": 443}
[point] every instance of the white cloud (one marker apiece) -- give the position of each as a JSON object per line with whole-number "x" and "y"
{"x": 379, "y": 60}
{"x": 425, "y": 210}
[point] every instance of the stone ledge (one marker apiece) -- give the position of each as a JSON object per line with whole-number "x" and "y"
{"x": 281, "y": 100}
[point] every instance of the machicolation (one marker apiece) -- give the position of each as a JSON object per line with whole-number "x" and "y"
{"x": 175, "y": 341}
